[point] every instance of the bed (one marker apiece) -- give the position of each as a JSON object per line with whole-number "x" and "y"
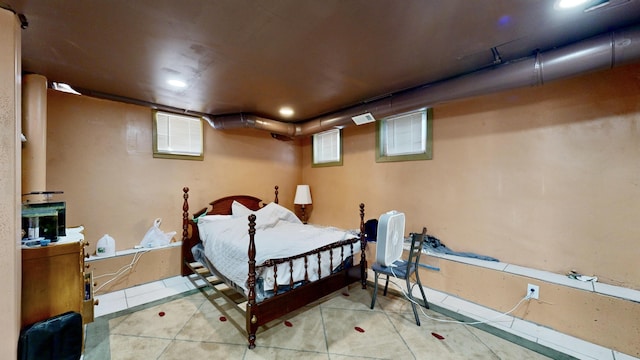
{"x": 272, "y": 263}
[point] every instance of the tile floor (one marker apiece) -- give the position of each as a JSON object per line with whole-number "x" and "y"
{"x": 129, "y": 326}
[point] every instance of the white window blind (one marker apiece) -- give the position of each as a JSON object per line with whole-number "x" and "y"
{"x": 326, "y": 147}
{"x": 178, "y": 134}
{"x": 405, "y": 134}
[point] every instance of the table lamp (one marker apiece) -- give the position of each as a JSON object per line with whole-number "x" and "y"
{"x": 303, "y": 197}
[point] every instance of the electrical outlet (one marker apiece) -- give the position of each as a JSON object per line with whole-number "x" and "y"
{"x": 533, "y": 291}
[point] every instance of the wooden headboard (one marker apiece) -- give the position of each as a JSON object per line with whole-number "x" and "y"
{"x": 222, "y": 206}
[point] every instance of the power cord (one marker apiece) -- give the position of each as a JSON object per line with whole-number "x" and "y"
{"x": 410, "y": 298}
{"x": 122, "y": 270}
{"x": 529, "y": 296}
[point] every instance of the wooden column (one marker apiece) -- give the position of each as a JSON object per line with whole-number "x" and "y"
{"x": 34, "y": 127}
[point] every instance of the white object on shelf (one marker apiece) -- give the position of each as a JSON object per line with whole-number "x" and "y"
{"x": 106, "y": 246}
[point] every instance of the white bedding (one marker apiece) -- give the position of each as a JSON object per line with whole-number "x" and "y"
{"x": 279, "y": 234}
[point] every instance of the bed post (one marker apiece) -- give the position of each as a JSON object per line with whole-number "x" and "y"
{"x": 276, "y": 200}
{"x": 185, "y": 232}
{"x": 363, "y": 244}
{"x": 251, "y": 318}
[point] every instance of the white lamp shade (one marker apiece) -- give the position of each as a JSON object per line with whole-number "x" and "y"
{"x": 303, "y": 195}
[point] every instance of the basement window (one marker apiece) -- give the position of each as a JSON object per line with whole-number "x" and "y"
{"x": 177, "y": 136}
{"x": 327, "y": 148}
{"x": 405, "y": 137}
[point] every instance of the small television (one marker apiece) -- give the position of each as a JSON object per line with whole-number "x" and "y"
{"x": 44, "y": 220}
{"x": 390, "y": 239}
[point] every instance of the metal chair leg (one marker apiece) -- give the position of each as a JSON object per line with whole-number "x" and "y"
{"x": 386, "y": 285}
{"x": 375, "y": 290}
{"x": 413, "y": 304}
{"x": 424, "y": 297}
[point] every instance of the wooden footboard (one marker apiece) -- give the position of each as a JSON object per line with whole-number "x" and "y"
{"x": 280, "y": 304}
{"x": 258, "y": 314}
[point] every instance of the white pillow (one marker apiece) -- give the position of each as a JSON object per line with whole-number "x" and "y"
{"x": 269, "y": 214}
{"x": 210, "y": 218}
{"x": 207, "y": 219}
{"x": 273, "y": 212}
{"x": 239, "y": 210}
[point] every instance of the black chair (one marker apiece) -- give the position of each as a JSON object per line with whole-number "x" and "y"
{"x": 403, "y": 269}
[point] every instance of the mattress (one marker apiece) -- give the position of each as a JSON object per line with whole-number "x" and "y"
{"x": 279, "y": 234}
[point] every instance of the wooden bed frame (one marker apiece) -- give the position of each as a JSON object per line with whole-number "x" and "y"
{"x": 260, "y": 313}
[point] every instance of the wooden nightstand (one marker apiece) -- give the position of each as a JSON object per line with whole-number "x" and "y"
{"x": 54, "y": 281}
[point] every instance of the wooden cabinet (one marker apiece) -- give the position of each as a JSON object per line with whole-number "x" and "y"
{"x": 54, "y": 281}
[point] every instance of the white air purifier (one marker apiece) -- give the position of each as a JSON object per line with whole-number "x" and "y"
{"x": 390, "y": 238}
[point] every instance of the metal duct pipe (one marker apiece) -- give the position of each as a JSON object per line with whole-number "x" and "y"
{"x": 597, "y": 53}
{"x": 243, "y": 120}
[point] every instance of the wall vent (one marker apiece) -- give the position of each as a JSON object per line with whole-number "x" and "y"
{"x": 363, "y": 119}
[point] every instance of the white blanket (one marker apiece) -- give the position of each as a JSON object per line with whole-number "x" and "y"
{"x": 278, "y": 235}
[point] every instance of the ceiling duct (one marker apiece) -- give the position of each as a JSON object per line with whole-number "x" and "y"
{"x": 242, "y": 120}
{"x": 596, "y": 53}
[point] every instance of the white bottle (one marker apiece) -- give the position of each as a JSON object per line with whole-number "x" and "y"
{"x": 106, "y": 246}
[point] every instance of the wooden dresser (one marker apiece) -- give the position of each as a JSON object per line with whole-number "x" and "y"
{"x": 54, "y": 281}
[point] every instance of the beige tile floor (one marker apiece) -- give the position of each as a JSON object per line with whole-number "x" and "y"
{"x": 189, "y": 326}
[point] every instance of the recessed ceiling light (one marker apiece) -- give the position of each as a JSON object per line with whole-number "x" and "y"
{"x": 286, "y": 111}
{"x": 567, "y": 4}
{"x": 177, "y": 83}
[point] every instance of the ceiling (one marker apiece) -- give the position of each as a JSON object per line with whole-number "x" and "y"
{"x": 315, "y": 56}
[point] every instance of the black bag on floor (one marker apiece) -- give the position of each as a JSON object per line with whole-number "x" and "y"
{"x": 57, "y": 338}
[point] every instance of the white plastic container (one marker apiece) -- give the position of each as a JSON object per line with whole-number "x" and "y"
{"x": 106, "y": 246}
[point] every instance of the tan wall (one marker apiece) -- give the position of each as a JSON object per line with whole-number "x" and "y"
{"x": 600, "y": 319}
{"x": 544, "y": 177}
{"x": 147, "y": 267}
{"x": 10, "y": 260}
{"x": 99, "y": 153}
